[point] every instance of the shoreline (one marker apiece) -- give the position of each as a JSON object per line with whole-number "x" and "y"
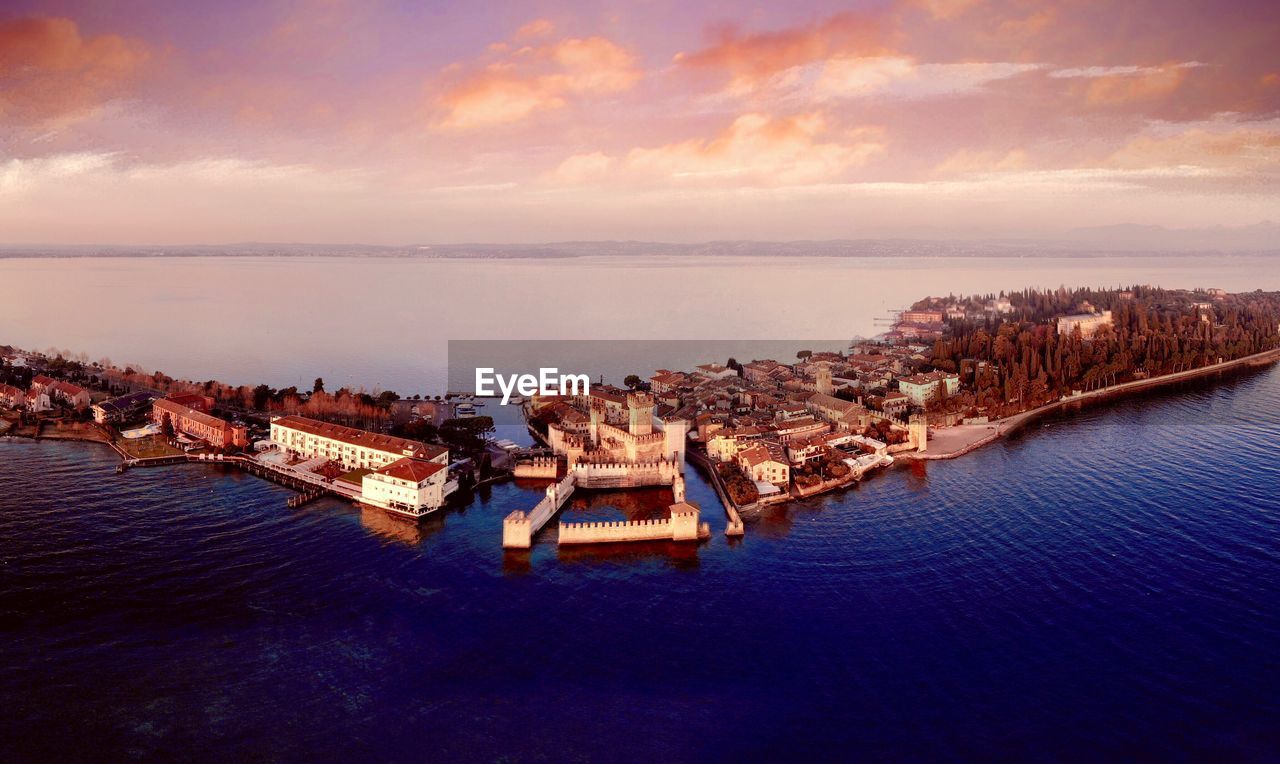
{"x": 963, "y": 439}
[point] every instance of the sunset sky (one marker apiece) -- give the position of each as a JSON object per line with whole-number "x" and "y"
{"x": 398, "y": 123}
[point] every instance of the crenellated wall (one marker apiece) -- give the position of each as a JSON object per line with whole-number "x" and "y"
{"x": 626, "y": 474}
{"x": 518, "y": 527}
{"x": 547, "y": 467}
{"x": 681, "y": 526}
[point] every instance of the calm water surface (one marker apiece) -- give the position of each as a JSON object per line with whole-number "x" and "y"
{"x": 1105, "y": 585}
{"x": 385, "y": 323}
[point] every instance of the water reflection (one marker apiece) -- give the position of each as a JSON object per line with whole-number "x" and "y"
{"x": 676, "y": 555}
{"x": 592, "y": 506}
{"x": 385, "y": 525}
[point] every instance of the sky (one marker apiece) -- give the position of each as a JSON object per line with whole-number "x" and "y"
{"x": 425, "y": 122}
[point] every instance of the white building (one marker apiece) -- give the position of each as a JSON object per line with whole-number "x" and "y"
{"x": 410, "y": 487}
{"x": 924, "y": 388}
{"x": 1088, "y": 323}
{"x": 354, "y": 449}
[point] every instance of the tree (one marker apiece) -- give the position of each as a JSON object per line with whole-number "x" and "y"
{"x": 466, "y": 434}
{"x": 262, "y": 394}
{"x": 166, "y": 425}
{"x": 804, "y": 354}
{"x": 318, "y": 385}
{"x": 632, "y": 381}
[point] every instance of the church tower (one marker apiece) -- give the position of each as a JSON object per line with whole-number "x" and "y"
{"x": 825, "y": 385}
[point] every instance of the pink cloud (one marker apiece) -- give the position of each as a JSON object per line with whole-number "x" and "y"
{"x": 50, "y": 73}
{"x": 756, "y": 149}
{"x": 531, "y": 79}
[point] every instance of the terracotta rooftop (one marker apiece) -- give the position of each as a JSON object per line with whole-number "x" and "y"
{"x": 363, "y": 438}
{"x": 175, "y": 409}
{"x": 411, "y": 469}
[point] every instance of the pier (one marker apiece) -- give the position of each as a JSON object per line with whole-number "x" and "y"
{"x": 309, "y": 487}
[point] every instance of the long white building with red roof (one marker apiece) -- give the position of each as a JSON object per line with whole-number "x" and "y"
{"x": 354, "y": 449}
{"x": 405, "y": 476}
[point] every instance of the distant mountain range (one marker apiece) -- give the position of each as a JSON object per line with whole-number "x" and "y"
{"x": 1099, "y": 241}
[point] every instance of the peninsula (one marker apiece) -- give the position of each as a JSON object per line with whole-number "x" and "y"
{"x": 950, "y": 375}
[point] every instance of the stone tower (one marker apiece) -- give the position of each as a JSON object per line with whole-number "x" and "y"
{"x": 641, "y": 408}
{"x": 918, "y": 429}
{"x": 825, "y": 385}
{"x": 597, "y": 414}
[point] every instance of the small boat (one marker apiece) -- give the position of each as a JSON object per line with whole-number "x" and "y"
{"x": 517, "y": 400}
{"x": 478, "y": 403}
{"x": 464, "y": 410}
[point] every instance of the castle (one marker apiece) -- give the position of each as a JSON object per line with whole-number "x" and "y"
{"x": 646, "y": 438}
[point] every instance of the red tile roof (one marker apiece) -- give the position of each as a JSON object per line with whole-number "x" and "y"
{"x": 411, "y": 469}
{"x": 362, "y": 438}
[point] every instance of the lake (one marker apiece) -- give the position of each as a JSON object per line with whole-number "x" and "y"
{"x": 1104, "y": 585}
{"x": 385, "y": 323}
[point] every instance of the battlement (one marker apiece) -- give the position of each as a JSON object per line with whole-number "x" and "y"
{"x": 517, "y": 531}
{"x": 681, "y": 526}
{"x": 547, "y": 467}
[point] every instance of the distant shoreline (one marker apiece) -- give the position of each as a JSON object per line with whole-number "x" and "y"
{"x": 963, "y": 439}
{"x": 836, "y": 249}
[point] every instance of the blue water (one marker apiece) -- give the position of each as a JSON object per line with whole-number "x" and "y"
{"x": 1105, "y": 585}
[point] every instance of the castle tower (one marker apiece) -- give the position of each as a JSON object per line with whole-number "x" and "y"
{"x": 918, "y": 430}
{"x": 597, "y": 414}
{"x": 641, "y": 408}
{"x": 825, "y": 385}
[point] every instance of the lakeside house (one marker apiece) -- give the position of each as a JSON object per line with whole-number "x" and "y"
{"x": 12, "y": 397}
{"x": 123, "y": 408}
{"x": 765, "y": 461}
{"x": 198, "y": 425}
{"x": 352, "y": 448}
{"x": 408, "y": 486}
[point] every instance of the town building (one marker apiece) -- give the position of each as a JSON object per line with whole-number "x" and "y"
{"x": 921, "y": 316}
{"x": 922, "y": 389}
{"x": 41, "y": 383}
{"x": 124, "y": 408}
{"x": 68, "y": 394}
{"x": 38, "y": 401}
{"x": 765, "y": 462}
{"x": 409, "y": 486}
{"x": 352, "y": 448}
{"x": 12, "y": 397}
{"x": 199, "y": 425}
{"x": 1087, "y": 323}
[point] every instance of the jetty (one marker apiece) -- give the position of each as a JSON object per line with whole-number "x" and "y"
{"x": 309, "y": 487}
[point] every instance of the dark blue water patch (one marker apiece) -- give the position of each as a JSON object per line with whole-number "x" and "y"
{"x": 1102, "y": 586}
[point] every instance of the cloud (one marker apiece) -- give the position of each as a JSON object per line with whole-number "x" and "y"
{"x": 50, "y": 74}
{"x": 756, "y": 149}
{"x": 535, "y": 28}
{"x": 753, "y": 60}
{"x": 526, "y": 80}
{"x": 972, "y": 161}
{"x": 1119, "y": 71}
{"x": 903, "y": 78}
{"x": 582, "y": 168}
{"x": 1123, "y": 85}
{"x": 1245, "y": 149}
